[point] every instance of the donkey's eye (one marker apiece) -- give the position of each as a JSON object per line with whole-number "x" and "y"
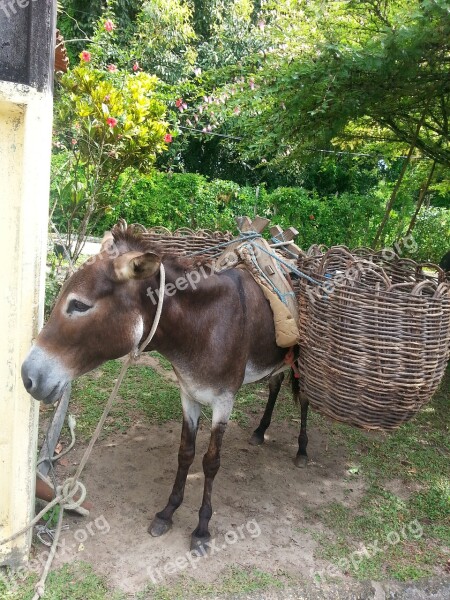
{"x": 77, "y": 306}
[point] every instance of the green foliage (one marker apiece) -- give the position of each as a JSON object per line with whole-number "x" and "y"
{"x": 162, "y": 39}
{"x": 175, "y": 200}
{"x": 106, "y": 122}
{"x": 113, "y": 117}
{"x": 182, "y": 200}
{"x": 319, "y": 98}
{"x": 365, "y": 70}
{"x": 432, "y": 233}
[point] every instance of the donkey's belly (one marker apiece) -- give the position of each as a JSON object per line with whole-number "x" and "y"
{"x": 255, "y": 373}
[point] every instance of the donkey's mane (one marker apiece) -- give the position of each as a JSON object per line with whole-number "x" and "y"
{"x": 135, "y": 237}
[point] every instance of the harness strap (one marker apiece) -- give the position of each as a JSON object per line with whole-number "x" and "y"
{"x": 148, "y": 339}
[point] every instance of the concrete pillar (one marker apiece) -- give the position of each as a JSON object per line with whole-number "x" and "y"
{"x": 26, "y": 67}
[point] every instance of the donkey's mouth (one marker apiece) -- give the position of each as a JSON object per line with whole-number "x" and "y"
{"x": 54, "y": 395}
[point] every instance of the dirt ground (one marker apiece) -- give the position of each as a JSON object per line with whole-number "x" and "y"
{"x": 259, "y": 504}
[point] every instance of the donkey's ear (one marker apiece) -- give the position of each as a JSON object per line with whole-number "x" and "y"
{"x": 145, "y": 265}
{"x": 135, "y": 265}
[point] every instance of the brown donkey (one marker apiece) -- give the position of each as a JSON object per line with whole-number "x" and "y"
{"x": 216, "y": 329}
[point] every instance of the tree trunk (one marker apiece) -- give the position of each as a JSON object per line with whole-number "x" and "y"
{"x": 423, "y": 191}
{"x": 394, "y": 193}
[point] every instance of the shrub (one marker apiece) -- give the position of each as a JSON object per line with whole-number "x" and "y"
{"x": 176, "y": 200}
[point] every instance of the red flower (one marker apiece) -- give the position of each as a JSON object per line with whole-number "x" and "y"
{"x": 111, "y": 121}
{"x": 86, "y": 56}
{"x": 136, "y": 66}
{"x": 311, "y": 217}
{"x": 112, "y": 68}
{"x": 168, "y": 138}
{"x": 109, "y": 25}
{"x": 179, "y": 102}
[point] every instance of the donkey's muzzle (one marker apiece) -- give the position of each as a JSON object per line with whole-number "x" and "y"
{"x": 43, "y": 376}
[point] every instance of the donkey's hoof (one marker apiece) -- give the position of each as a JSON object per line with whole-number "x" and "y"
{"x": 159, "y": 527}
{"x": 301, "y": 461}
{"x": 257, "y": 439}
{"x": 200, "y": 545}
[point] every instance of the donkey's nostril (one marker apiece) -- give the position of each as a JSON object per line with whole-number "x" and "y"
{"x": 28, "y": 384}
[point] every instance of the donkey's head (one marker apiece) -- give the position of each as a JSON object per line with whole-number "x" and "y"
{"x": 99, "y": 315}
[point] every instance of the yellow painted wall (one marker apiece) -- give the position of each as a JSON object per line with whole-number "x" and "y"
{"x": 25, "y": 144}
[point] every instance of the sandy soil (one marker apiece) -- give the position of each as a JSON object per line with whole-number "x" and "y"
{"x": 259, "y": 498}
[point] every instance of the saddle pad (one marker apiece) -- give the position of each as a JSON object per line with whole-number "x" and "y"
{"x": 269, "y": 275}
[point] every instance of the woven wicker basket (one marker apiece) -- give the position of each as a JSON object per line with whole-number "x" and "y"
{"x": 375, "y": 335}
{"x": 185, "y": 241}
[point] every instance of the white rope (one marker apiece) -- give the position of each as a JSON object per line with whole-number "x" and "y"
{"x": 72, "y": 485}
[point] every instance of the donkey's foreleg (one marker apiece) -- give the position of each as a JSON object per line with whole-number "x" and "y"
{"x": 301, "y": 459}
{"x": 211, "y": 463}
{"x": 191, "y": 414}
{"x": 274, "y": 387}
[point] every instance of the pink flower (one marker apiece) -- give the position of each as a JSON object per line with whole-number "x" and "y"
{"x": 184, "y": 105}
{"x": 168, "y": 138}
{"x": 178, "y": 102}
{"x": 74, "y": 141}
{"x": 136, "y": 66}
{"x": 237, "y": 110}
{"x": 111, "y": 121}
{"x": 251, "y": 83}
{"x": 86, "y": 56}
{"x": 106, "y": 98}
{"x": 109, "y": 25}
{"x": 112, "y": 68}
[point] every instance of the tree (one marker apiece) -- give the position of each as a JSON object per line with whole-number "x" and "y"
{"x": 380, "y": 71}
{"x": 106, "y": 123}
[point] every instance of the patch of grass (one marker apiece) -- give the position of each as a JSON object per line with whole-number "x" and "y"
{"x": 143, "y": 395}
{"x": 76, "y": 581}
{"x": 418, "y": 451}
{"x": 163, "y": 361}
{"x": 157, "y": 398}
{"x": 385, "y": 536}
{"x": 236, "y": 581}
{"x": 412, "y": 532}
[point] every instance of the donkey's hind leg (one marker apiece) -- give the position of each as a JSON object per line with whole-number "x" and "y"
{"x": 274, "y": 387}
{"x": 301, "y": 459}
{"x": 191, "y": 414}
